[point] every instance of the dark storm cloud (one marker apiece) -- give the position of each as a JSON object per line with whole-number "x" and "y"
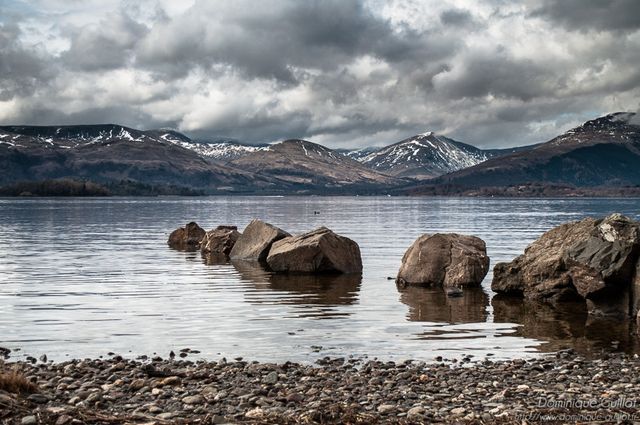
{"x": 270, "y": 40}
{"x": 457, "y": 18}
{"x": 104, "y": 46}
{"x": 607, "y": 15}
{"x": 22, "y": 71}
{"x": 348, "y": 72}
{"x": 500, "y": 75}
{"x": 118, "y": 114}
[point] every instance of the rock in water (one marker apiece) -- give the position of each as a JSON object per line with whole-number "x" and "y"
{"x": 445, "y": 259}
{"x": 220, "y": 241}
{"x": 593, "y": 260}
{"x": 187, "y": 237}
{"x": 256, "y": 240}
{"x": 318, "y": 251}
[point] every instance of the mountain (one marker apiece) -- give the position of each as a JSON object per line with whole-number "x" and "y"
{"x": 218, "y": 150}
{"x": 357, "y": 154}
{"x": 601, "y": 152}
{"x": 424, "y": 156}
{"x": 308, "y": 164}
{"x": 113, "y": 153}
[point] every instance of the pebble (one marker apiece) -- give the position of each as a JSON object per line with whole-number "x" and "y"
{"x": 337, "y": 390}
{"x": 29, "y": 420}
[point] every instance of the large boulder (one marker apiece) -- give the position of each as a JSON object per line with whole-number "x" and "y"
{"x": 593, "y": 260}
{"x": 219, "y": 241}
{"x": 318, "y": 251}
{"x": 445, "y": 259}
{"x": 187, "y": 237}
{"x": 256, "y": 240}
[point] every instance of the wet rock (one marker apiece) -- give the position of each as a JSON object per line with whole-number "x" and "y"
{"x": 187, "y": 238}
{"x": 256, "y": 241}
{"x": 220, "y": 241}
{"x": 593, "y": 260}
{"x": 318, "y": 251}
{"x": 449, "y": 260}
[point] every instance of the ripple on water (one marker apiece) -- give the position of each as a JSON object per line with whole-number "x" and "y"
{"x": 87, "y": 276}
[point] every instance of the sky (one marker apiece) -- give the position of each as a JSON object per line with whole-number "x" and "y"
{"x": 343, "y": 73}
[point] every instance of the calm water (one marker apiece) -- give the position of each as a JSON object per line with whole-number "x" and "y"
{"x": 83, "y": 277}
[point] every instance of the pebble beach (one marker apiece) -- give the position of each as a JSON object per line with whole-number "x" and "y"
{"x": 559, "y": 388}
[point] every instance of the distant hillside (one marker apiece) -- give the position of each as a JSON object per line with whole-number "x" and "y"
{"x": 601, "y": 152}
{"x": 113, "y": 153}
{"x": 304, "y": 163}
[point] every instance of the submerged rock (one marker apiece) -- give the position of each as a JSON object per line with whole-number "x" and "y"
{"x": 220, "y": 241}
{"x": 256, "y": 240}
{"x": 594, "y": 260}
{"x": 445, "y": 259}
{"x": 187, "y": 237}
{"x": 318, "y": 251}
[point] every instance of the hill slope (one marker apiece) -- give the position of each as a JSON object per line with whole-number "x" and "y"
{"x": 108, "y": 153}
{"x": 601, "y": 152}
{"x": 304, "y": 163}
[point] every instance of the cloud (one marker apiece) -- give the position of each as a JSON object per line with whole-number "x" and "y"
{"x": 22, "y": 70}
{"x": 584, "y": 15}
{"x": 344, "y": 73}
{"x": 105, "y": 45}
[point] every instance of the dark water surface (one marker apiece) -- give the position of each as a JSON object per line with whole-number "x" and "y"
{"x": 82, "y": 277}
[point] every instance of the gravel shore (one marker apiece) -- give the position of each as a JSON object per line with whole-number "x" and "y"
{"x": 562, "y": 388}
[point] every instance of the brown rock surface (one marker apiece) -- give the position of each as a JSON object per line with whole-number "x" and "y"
{"x": 220, "y": 241}
{"x": 318, "y": 251}
{"x": 187, "y": 237}
{"x": 593, "y": 260}
{"x": 445, "y": 260}
{"x": 256, "y": 240}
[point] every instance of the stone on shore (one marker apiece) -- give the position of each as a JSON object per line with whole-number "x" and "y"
{"x": 445, "y": 259}
{"x": 256, "y": 240}
{"x": 220, "y": 241}
{"x": 318, "y": 251}
{"x": 187, "y": 237}
{"x": 593, "y": 260}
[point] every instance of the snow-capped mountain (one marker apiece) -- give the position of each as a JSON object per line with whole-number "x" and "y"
{"x": 424, "y": 156}
{"x": 219, "y": 150}
{"x": 357, "y": 154}
{"x": 601, "y": 152}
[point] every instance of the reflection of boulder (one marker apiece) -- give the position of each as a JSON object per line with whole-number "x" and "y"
{"x": 256, "y": 240}
{"x": 339, "y": 289}
{"x": 318, "y": 251}
{"x": 186, "y": 238}
{"x": 319, "y": 289}
{"x": 566, "y": 325}
{"x": 445, "y": 259}
{"x": 433, "y": 305}
{"x": 589, "y": 260}
{"x": 251, "y": 271}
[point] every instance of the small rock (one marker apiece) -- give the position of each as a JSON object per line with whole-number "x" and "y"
{"x": 254, "y": 413}
{"x": 271, "y": 378}
{"x": 38, "y": 398}
{"x": 29, "y": 420}
{"x": 458, "y": 411}
{"x": 415, "y": 411}
{"x": 193, "y": 399}
{"x": 386, "y": 408}
{"x": 171, "y": 380}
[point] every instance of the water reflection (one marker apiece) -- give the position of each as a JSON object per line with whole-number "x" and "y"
{"x": 566, "y": 326}
{"x": 433, "y": 305}
{"x": 315, "y": 293}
